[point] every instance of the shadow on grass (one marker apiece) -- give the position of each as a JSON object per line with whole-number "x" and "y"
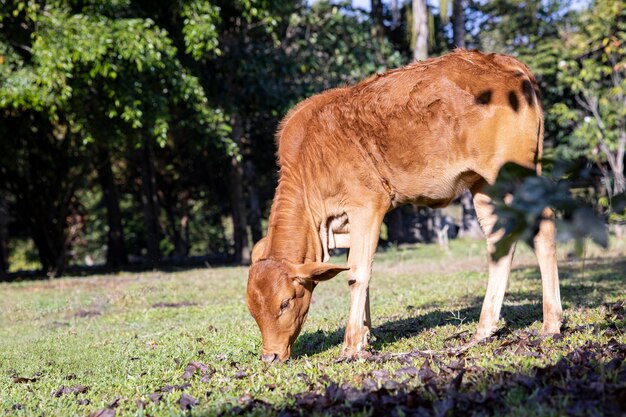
{"x": 578, "y": 288}
{"x": 588, "y": 380}
{"x": 166, "y": 265}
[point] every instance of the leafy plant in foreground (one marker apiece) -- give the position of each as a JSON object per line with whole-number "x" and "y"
{"x": 577, "y": 215}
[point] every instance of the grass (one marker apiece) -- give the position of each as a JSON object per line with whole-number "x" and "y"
{"x": 129, "y": 335}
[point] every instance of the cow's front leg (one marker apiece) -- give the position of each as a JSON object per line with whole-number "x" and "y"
{"x": 498, "y": 270}
{"x": 364, "y": 230}
{"x": 545, "y": 249}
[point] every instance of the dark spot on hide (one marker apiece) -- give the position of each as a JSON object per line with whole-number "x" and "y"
{"x": 513, "y": 101}
{"x": 484, "y": 97}
{"x": 528, "y": 92}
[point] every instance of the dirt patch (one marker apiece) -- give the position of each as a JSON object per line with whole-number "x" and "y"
{"x": 174, "y": 305}
{"x": 82, "y": 313}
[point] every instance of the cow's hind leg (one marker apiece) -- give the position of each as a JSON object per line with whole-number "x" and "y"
{"x": 498, "y": 270}
{"x": 545, "y": 250}
{"x": 364, "y": 230}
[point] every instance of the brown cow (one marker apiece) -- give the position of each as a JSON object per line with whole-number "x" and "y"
{"x": 420, "y": 134}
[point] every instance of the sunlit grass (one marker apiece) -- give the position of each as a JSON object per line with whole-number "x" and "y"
{"x": 130, "y": 334}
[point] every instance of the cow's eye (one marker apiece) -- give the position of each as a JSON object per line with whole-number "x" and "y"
{"x": 284, "y": 304}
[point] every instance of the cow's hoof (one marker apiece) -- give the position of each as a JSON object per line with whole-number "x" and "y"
{"x": 355, "y": 353}
{"x": 550, "y": 329}
{"x": 363, "y": 354}
{"x": 481, "y": 335}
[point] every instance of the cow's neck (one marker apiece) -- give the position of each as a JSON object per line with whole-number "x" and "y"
{"x": 293, "y": 230}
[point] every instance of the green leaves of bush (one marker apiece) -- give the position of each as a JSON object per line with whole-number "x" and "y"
{"x": 531, "y": 195}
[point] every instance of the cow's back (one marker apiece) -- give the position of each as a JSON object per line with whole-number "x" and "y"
{"x": 296, "y": 127}
{"x": 429, "y": 130}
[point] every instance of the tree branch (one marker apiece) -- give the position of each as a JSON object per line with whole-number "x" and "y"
{"x": 591, "y": 104}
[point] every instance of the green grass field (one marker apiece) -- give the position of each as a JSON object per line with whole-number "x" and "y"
{"x": 121, "y": 343}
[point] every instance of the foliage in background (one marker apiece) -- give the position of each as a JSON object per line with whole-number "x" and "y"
{"x": 141, "y": 131}
{"x": 593, "y": 67}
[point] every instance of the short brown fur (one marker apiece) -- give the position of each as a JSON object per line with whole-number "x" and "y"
{"x": 420, "y": 134}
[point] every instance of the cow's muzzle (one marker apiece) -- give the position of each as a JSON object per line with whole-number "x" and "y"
{"x": 270, "y": 358}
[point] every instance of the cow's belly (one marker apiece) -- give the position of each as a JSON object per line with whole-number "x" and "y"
{"x": 434, "y": 186}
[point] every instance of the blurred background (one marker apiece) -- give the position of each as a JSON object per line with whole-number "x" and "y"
{"x": 141, "y": 133}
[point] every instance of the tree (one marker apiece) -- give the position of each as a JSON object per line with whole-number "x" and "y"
{"x": 458, "y": 20}
{"x": 593, "y": 68}
{"x": 77, "y": 68}
{"x": 43, "y": 169}
{"x": 378, "y": 27}
{"x": 419, "y": 30}
{"x": 116, "y": 255}
{"x": 458, "y": 23}
{"x": 4, "y": 235}
{"x": 240, "y": 77}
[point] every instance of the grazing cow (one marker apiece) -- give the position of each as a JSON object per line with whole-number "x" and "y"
{"x": 420, "y": 134}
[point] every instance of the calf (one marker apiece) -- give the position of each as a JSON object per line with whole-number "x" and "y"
{"x": 421, "y": 134}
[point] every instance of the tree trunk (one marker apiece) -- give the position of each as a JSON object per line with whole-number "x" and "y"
{"x": 420, "y": 30}
{"x": 458, "y": 24}
{"x": 116, "y": 251}
{"x": 149, "y": 204}
{"x": 4, "y": 236}
{"x": 441, "y": 230}
{"x": 426, "y": 220}
{"x": 178, "y": 235}
{"x": 238, "y": 207}
{"x": 49, "y": 238}
{"x": 395, "y": 14}
{"x": 254, "y": 215}
{"x": 619, "y": 185}
{"x": 378, "y": 27}
{"x": 42, "y": 207}
{"x": 395, "y": 226}
{"x": 184, "y": 225}
{"x": 237, "y": 199}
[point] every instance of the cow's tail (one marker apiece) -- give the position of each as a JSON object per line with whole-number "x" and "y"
{"x": 539, "y": 149}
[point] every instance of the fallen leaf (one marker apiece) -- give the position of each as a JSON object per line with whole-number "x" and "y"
{"x": 105, "y": 412}
{"x": 455, "y": 384}
{"x": 62, "y": 390}
{"x": 408, "y": 370}
{"x": 23, "y": 380}
{"x": 189, "y": 371}
{"x": 187, "y": 402}
{"x": 155, "y": 397}
{"x": 115, "y": 402}
{"x": 80, "y": 389}
{"x": 380, "y": 374}
{"x": 170, "y": 388}
{"x": 425, "y": 374}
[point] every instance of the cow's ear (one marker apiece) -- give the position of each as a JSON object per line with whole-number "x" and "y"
{"x": 258, "y": 249}
{"x": 315, "y": 271}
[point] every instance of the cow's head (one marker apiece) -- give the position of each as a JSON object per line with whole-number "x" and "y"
{"x": 278, "y": 297}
